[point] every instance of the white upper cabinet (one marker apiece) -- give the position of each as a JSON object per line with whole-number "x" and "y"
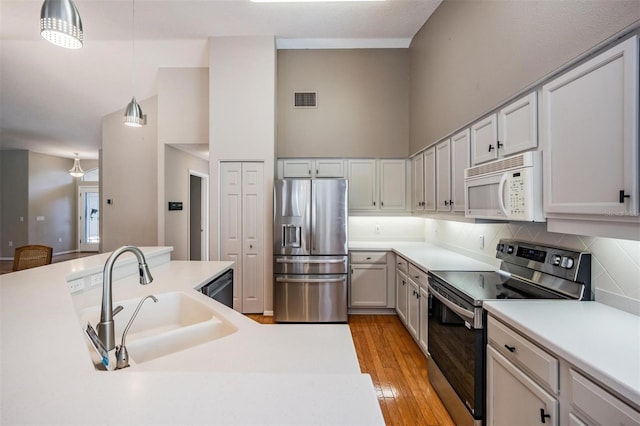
{"x": 460, "y": 160}
{"x": 443, "y": 176}
{"x": 518, "y": 126}
{"x": 484, "y": 137}
{"x": 590, "y": 137}
{"x": 417, "y": 182}
{"x": 512, "y": 129}
{"x": 393, "y": 188}
{"x": 430, "y": 179}
{"x": 362, "y": 185}
{"x": 311, "y": 168}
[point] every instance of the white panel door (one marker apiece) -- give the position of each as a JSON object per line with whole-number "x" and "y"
{"x": 460, "y": 160}
{"x": 590, "y": 136}
{"x": 393, "y": 184}
{"x": 402, "y": 286}
{"x": 423, "y": 317}
{"x": 231, "y": 224}
{"x": 484, "y": 138}
{"x": 443, "y": 176}
{"x": 430, "y": 179}
{"x": 253, "y": 238}
{"x": 368, "y": 287}
{"x": 88, "y": 218}
{"x": 242, "y": 231}
{"x": 362, "y": 185}
{"x": 413, "y": 308}
{"x": 417, "y": 180}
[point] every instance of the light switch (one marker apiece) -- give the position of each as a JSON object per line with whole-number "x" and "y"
{"x": 39, "y": 218}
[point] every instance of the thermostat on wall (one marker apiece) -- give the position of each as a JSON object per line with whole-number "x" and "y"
{"x": 175, "y": 205}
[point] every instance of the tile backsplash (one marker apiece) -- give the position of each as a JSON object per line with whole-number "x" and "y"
{"x": 615, "y": 269}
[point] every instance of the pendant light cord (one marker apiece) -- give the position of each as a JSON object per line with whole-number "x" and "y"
{"x": 133, "y": 50}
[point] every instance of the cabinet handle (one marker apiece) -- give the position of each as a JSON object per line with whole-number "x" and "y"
{"x": 544, "y": 416}
{"x": 511, "y": 349}
{"x": 446, "y": 202}
{"x": 500, "y": 145}
{"x": 381, "y": 203}
{"x": 309, "y": 172}
{"x": 368, "y": 258}
{"x": 450, "y": 202}
{"x": 316, "y": 172}
{"x": 490, "y": 147}
{"x": 374, "y": 203}
{"x": 623, "y": 196}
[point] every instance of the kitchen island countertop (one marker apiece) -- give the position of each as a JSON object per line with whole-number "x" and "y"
{"x": 261, "y": 374}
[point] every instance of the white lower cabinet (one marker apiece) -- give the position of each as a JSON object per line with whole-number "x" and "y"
{"x": 371, "y": 284}
{"x": 423, "y": 307}
{"x": 402, "y": 287}
{"x": 413, "y": 309}
{"x": 529, "y": 385}
{"x": 513, "y": 398}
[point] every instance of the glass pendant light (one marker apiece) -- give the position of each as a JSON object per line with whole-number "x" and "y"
{"x": 76, "y": 171}
{"x": 133, "y": 116}
{"x": 60, "y": 24}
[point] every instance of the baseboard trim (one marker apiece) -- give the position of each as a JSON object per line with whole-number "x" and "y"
{"x": 268, "y": 313}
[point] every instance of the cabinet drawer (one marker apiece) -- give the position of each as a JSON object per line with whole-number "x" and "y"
{"x": 524, "y": 353}
{"x": 402, "y": 264}
{"x": 368, "y": 257}
{"x": 418, "y": 275}
{"x": 598, "y": 404}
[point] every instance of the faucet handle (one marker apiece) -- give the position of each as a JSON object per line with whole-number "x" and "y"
{"x": 117, "y": 309}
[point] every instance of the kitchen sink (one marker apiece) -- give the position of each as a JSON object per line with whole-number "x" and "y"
{"x": 178, "y": 321}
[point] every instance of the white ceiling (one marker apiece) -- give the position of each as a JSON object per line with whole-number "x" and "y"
{"x": 52, "y": 100}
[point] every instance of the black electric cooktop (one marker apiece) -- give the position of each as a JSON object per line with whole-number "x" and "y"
{"x": 476, "y": 286}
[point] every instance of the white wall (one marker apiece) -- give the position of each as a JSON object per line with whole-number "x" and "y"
{"x": 386, "y": 228}
{"x": 242, "y": 88}
{"x": 129, "y": 177}
{"x": 178, "y": 164}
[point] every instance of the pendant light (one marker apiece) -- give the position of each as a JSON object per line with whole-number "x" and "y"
{"x": 60, "y": 24}
{"x": 76, "y": 171}
{"x": 133, "y": 116}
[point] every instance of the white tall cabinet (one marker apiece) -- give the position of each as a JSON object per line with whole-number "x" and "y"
{"x": 460, "y": 160}
{"x": 443, "y": 176}
{"x": 590, "y": 137}
{"x": 242, "y": 231}
{"x": 417, "y": 182}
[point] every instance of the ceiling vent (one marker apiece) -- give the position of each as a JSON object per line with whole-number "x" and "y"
{"x": 305, "y": 99}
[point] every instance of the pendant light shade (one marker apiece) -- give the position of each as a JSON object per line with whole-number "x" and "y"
{"x": 133, "y": 116}
{"x": 76, "y": 170}
{"x": 60, "y": 24}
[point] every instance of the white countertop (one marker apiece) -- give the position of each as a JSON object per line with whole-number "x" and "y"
{"x": 601, "y": 341}
{"x": 261, "y": 374}
{"x": 425, "y": 255}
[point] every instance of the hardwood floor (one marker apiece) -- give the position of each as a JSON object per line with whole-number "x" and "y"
{"x": 398, "y": 369}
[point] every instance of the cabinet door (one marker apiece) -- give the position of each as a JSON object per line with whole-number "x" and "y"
{"x": 252, "y": 237}
{"x": 231, "y": 224}
{"x": 460, "y": 160}
{"x": 402, "y": 287}
{"x": 417, "y": 180}
{"x": 513, "y": 398}
{"x": 296, "y": 168}
{"x": 590, "y": 136}
{"x": 423, "y": 316}
{"x": 484, "y": 136}
{"x": 430, "y": 179}
{"x": 362, "y": 185}
{"x": 518, "y": 126}
{"x": 328, "y": 168}
{"x": 443, "y": 176}
{"x": 393, "y": 179}
{"x": 368, "y": 286}
{"x": 413, "y": 309}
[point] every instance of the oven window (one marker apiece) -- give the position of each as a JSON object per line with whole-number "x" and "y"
{"x": 483, "y": 197}
{"x": 453, "y": 347}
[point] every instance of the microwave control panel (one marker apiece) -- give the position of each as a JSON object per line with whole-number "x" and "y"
{"x": 517, "y": 194}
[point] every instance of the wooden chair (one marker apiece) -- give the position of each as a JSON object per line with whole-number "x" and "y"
{"x": 30, "y": 256}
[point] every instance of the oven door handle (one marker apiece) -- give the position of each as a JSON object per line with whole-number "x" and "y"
{"x": 468, "y": 315}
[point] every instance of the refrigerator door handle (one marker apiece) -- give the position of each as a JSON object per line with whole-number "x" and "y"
{"x": 314, "y": 261}
{"x": 310, "y": 280}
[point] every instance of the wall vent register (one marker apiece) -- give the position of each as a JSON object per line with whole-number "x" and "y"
{"x": 305, "y": 99}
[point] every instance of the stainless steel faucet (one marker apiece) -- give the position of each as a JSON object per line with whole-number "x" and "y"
{"x": 105, "y": 328}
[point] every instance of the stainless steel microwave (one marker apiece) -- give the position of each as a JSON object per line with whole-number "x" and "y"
{"x": 506, "y": 189}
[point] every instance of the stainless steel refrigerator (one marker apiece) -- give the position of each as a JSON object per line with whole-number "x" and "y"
{"x": 310, "y": 250}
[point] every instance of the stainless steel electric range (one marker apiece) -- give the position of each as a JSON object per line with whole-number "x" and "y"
{"x": 456, "y": 323}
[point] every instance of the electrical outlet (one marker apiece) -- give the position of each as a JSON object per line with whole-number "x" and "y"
{"x": 10, "y": 243}
{"x": 481, "y": 242}
{"x": 377, "y": 229}
{"x": 60, "y": 239}
{"x": 96, "y": 280}
{"x": 76, "y": 286}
